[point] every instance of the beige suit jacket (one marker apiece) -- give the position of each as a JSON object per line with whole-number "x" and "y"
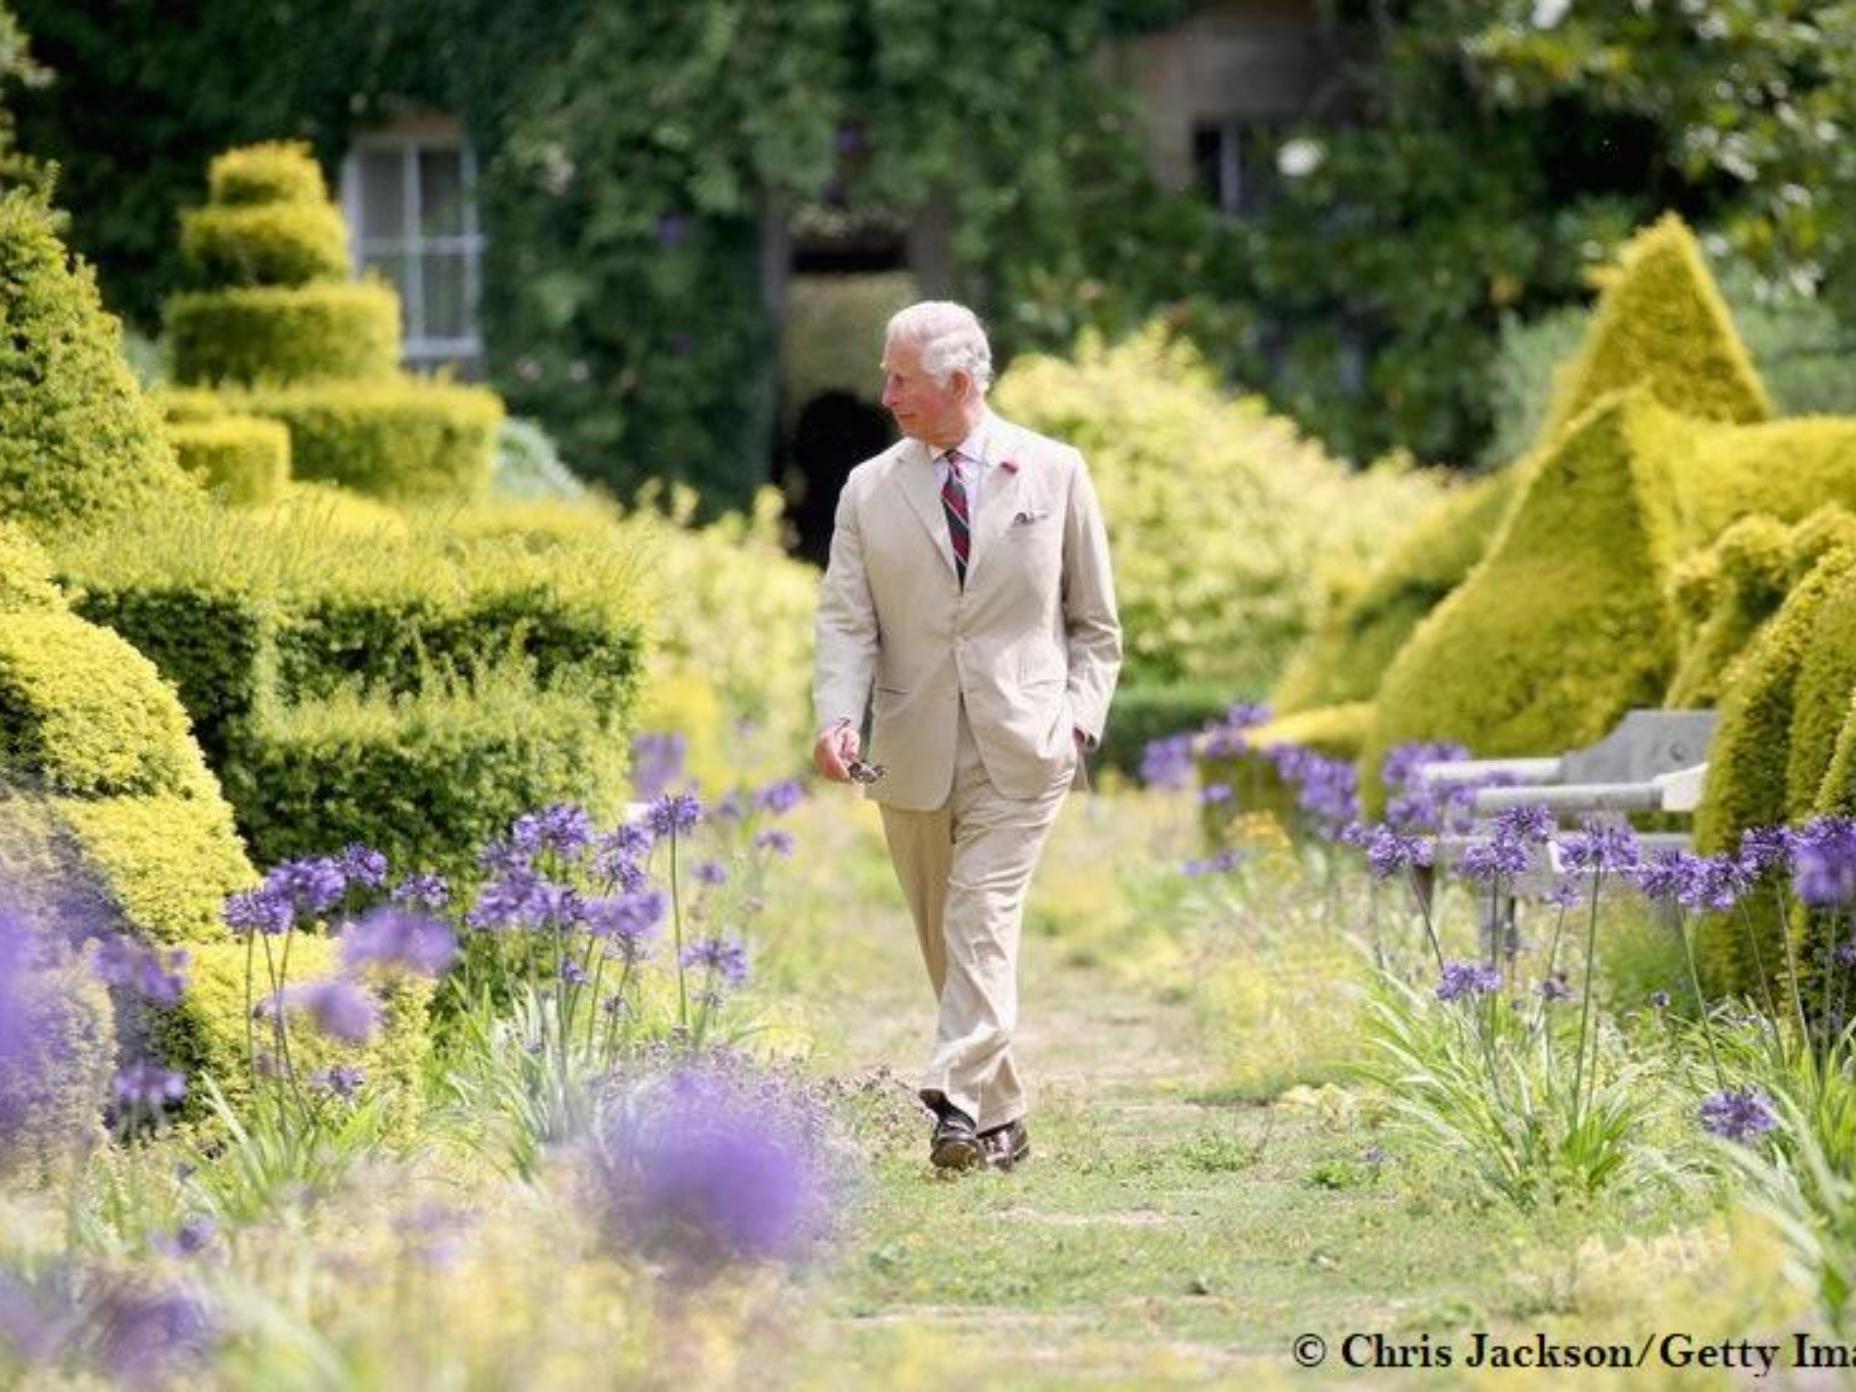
{"x": 1033, "y": 641}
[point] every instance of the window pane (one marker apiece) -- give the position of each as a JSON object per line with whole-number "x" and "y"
{"x": 446, "y": 313}
{"x": 396, "y": 269}
{"x": 441, "y": 193}
{"x": 383, "y": 194}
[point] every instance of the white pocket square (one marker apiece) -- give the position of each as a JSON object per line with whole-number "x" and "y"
{"x": 1026, "y": 518}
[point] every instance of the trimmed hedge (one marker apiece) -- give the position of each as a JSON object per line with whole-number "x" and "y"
{"x": 84, "y": 714}
{"x": 205, "y": 1035}
{"x": 1345, "y": 660}
{"x": 285, "y": 333}
{"x": 1821, "y": 699}
{"x": 165, "y": 864}
{"x": 187, "y": 405}
{"x": 265, "y": 244}
{"x": 1141, "y": 714}
{"x": 1787, "y": 469}
{"x": 79, "y": 442}
{"x": 25, "y": 574}
{"x": 1747, "y": 573}
{"x": 1564, "y": 626}
{"x": 1661, "y": 323}
{"x": 275, "y": 171}
{"x": 425, "y": 779}
{"x": 244, "y": 458}
{"x": 404, "y": 438}
{"x": 1340, "y": 732}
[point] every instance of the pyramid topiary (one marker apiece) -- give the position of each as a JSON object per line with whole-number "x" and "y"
{"x": 284, "y": 335}
{"x": 1724, "y": 593}
{"x": 1821, "y": 699}
{"x": 1661, "y": 322}
{"x": 79, "y": 443}
{"x": 1565, "y": 625}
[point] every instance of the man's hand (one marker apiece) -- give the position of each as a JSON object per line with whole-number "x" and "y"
{"x": 836, "y": 747}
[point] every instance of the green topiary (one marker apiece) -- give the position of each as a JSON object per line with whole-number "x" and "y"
{"x": 1339, "y": 732}
{"x": 1346, "y": 658}
{"x": 207, "y": 1036}
{"x": 1564, "y": 625}
{"x": 84, "y": 714}
{"x": 277, "y": 171}
{"x": 265, "y": 244}
{"x": 1787, "y": 469}
{"x": 163, "y": 864}
{"x": 79, "y": 442}
{"x": 25, "y": 574}
{"x": 400, "y": 438}
{"x": 285, "y": 333}
{"x": 1750, "y": 569}
{"x": 1821, "y": 698}
{"x": 1661, "y": 322}
{"x": 426, "y": 779}
{"x": 244, "y": 459}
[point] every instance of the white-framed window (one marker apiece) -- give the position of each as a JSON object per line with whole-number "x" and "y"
{"x": 409, "y": 194}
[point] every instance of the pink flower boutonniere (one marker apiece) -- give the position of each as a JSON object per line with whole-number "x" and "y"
{"x": 1009, "y": 465}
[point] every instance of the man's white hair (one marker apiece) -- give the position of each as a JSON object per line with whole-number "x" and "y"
{"x": 951, "y": 340}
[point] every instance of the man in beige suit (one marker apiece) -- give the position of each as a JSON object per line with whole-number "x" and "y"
{"x": 969, "y": 599}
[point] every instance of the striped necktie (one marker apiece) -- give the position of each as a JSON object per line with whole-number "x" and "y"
{"x": 954, "y": 504}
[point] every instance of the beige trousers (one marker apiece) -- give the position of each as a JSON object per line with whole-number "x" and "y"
{"x": 964, "y": 869}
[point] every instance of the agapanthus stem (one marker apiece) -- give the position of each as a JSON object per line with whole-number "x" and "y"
{"x": 1585, "y": 1006}
{"x": 1701, "y": 1003}
{"x": 1424, "y": 912}
{"x": 676, "y": 918}
{"x": 251, "y": 1024}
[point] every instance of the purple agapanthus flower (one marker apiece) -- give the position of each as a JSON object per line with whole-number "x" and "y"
{"x": 674, "y": 813}
{"x": 1738, "y": 1114}
{"x": 701, "y": 1169}
{"x": 573, "y": 973}
{"x": 422, "y": 891}
{"x": 1495, "y": 859}
{"x": 158, "y": 977}
{"x": 1763, "y": 848}
{"x": 363, "y": 867}
{"x": 338, "y": 1007}
{"x": 1525, "y": 826}
{"x": 1246, "y": 715}
{"x": 1167, "y": 763}
{"x": 398, "y": 938}
{"x": 149, "y": 1086}
{"x": 776, "y": 840}
{"x": 1659, "y": 1000}
{"x": 1327, "y": 789}
{"x": 523, "y": 899}
{"x": 1218, "y": 863}
{"x": 781, "y": 797}
{"x": 1388, "y": 852}
{"x": 1824, "y": 862}
{"x": 1564, "y": 895}
{"x": 341, "y": 1080}
{"x": 657, "y": 762}
{"x": 145, "y": 1335}
{"x": 1600, "y": 850}
{"x": 563, "y": 829}
{"x": 1553, "y": 989}
{"x": 732, "y": 806}
{"x": 263, "y": 910}
{"x": 711, "y": 872}
{"x": 1464, "y": 979}
{"x": 312, "y": 887}
{"x": 725, "y": 958}
{"x": 1216, "y": 794}
{"x": 628, "y": 922}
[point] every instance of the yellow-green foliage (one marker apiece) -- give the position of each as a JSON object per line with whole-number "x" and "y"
{"x": 166, "y": 863}
{"x": 1746, "y": 575}
{"x": 1223, "y": 518}
{"x": 54, "y": 1094}
{"x": 1337, "y": 731}
{"x": 245, "y": 458}
{"x": 1661, "y": 322}
{"x": 276, "y": 171}
{"x": 729, "y": 611}
{"x": 426, "y": 779}
{"x": 187, "y": 405}
{"x": 1831, "y": 526}
{"x": 1566, "y": 623}
{"x": 398, "y": 438}
{"x": 1749, "y": 758}
{"x": 1787, "y": 468}
{"x": 1345, "y": 660}
{"x": 79, "y": 442}
{"x": 206, "y": 1034}
{"x": 25, "y": 573}
{"x": 265, "y": 243}
{"x": 1821, "y": 698}
{"x": 84, "y": 714}
{"x": 832, "y": 331}
{"x": 285, "y": 333}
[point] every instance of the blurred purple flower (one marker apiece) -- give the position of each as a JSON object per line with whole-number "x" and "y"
{"x": 1243, "y": 715}
{"x": 1554, "y": 989}
{"x": 341, "y": 1080}
{"x": 145, "y": 1335}
{"x": 781, "y": 797}
{"x": 1600, "y": 850}
{"x": 657, "y": 762}
{"x": 1494, "y": 859}
{"x": 726, "y": 958}
{"x": 393, "y": 937}
{"x": 675, "y": 812}
{"x": 1216, "y": 794}
{"x": 422, "y": 891}
{"x": 363, "y": 867}
{"x": 1461, "y": 979}
{"x": 1659, "y": 1000}
{"x": 733, "y": 806}
{"x": 196, "y": 1233}
{"x": 1738, "y": 1114}
{"x": 262, "y": 910}
{"x": 775, "y": 839}
{"x": 311, "y": 887}
{"x": 148, "y": 1086}
{"x": 1525, "y": 826}
{"x": 158, "y": 977}
{"x": 338, "y": 1007}
{"x": 628, "y": 922}
{"x": 563, "y": 829}
{"x": 1387, "y": 852}
{"x": 1565, "y": 894}
{"x": 573, "y": 973}
{"x": 1762, "y": 848}
{"x": 1824, "y": 862}
{"x": 1167, "y": 763}
{"x": 1216, "y": 864}
{"x": 701, "y": 1169}
{"x": 524, "y": 899}
{"x": 711, "y": 872}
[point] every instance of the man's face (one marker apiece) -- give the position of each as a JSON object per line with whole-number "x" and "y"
{"x": 921, "y": 408}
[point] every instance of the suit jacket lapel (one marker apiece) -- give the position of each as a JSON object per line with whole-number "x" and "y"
{"x": 914, "y": 475}
{"x": 998, "y": 498}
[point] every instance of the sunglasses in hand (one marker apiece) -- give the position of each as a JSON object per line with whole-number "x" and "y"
{"x": 861, "y": 772}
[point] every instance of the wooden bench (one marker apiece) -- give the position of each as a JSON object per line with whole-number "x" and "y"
{"x": 1653, "y": 761}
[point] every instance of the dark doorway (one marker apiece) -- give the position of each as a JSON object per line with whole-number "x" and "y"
{"x": 835, "y": 432}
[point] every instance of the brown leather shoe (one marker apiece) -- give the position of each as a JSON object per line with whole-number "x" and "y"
{"x": 1005, "y": 1146}
{"x": 955, "y": 1145}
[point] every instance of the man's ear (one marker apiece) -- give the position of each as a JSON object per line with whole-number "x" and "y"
{"x": 963, "y": 384}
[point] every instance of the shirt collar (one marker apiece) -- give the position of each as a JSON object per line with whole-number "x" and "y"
{"x": 973, "y": 448}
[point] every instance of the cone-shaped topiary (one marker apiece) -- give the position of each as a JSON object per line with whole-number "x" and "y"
{"x": 1745, "y": 575}
{"x": 1821, "y": 699}
{"x": 272, "y": 171}
{"x": 1565, "y": 625}
{"x": 1661, "y": 322}
{"x": 1786, "y": 468}
{"x": 1345, "y": 659}
{"x": 246, "y": 459}
{"x": 79, "y": 442}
